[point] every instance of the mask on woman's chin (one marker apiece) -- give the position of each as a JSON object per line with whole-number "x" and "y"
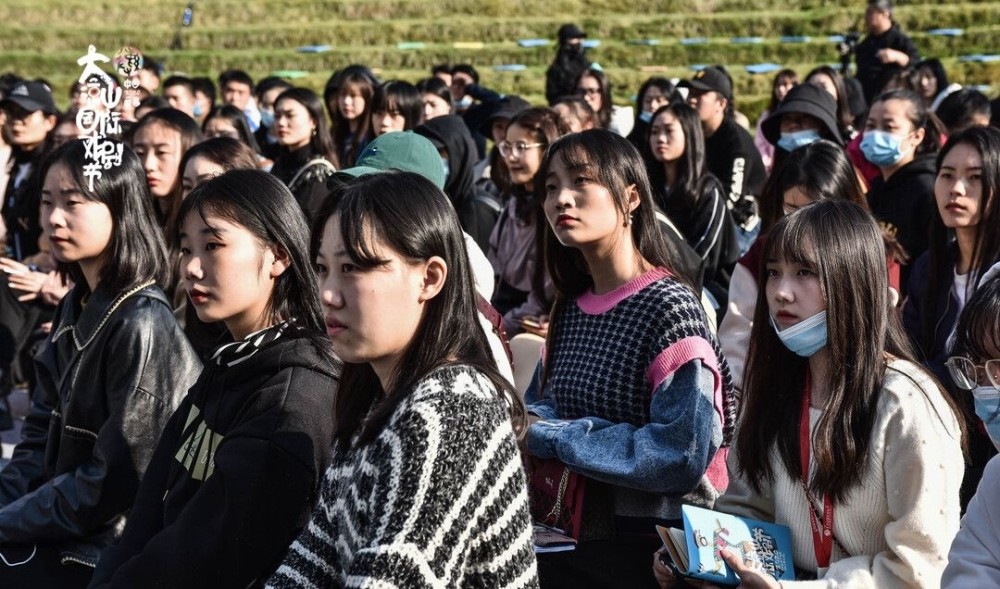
{"x": 197, "y": 110}
{"x": 806, "y": 337}
{"x": 987, "y": 400}
{"x": 645, "y": 116}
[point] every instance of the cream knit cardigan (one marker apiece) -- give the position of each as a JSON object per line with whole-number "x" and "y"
{"x": 898, "y": 524}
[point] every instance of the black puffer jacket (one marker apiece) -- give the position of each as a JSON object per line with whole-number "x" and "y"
{"x": 904, "y": 206}
{"x": 110, "y": 376}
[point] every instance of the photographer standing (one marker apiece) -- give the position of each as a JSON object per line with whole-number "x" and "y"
{"x": 885, "y": 50}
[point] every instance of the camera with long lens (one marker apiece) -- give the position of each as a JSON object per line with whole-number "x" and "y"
{"x": 846, "y": 49}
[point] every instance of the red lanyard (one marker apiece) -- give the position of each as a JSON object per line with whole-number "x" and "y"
{"x": 822, "y": 543}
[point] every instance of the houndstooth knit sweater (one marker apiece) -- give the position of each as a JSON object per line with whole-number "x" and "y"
{"x": 438, "y": 499}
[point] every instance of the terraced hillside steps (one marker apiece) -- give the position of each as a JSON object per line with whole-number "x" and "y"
{"x": 45, "y": 37}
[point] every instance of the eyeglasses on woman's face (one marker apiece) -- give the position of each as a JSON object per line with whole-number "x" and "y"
{"x": 968, "y": 375}
{"x": 517, "y": 148}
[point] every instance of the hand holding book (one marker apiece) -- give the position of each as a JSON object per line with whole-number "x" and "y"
{"x": 718, "y": 549}
{"x": 749, "y": 578}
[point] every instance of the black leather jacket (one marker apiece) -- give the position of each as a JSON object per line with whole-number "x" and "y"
{"x": 111, "y": 374}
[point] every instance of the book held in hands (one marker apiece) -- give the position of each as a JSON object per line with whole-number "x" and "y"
{"x": 695, "y": 551}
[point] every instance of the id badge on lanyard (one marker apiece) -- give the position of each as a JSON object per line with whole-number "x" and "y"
{"x": 822, "y": 533}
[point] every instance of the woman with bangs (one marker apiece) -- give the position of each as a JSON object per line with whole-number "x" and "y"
{"x": 110, "y": 374}
{"x": 348, "y": 98}
{"x": 513, "y": 248}
{"x": 206, "y": 160}
{"x": 425, "y": 487}
{"x": 160, "y": 139}
{"x": 842, "y": 436}
{"x": 396, "y": 106}
{"x": 633, "y": 395}
{"x": 975, "y": 368}
{"x": 238, "y": 467}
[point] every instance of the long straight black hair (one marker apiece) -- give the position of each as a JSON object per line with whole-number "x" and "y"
{"x": 262, "y": 204}
{"x": 408, "y": 214}
{"x": 986, "y": 247}
{"x": 693, "y": 180}
{"x": 136, "y": 252}
{"x": 190, "y": 135}
{"x": 844, "y": 245}
{"x": 320, "y": 143}
{"x": 615, "y": 164}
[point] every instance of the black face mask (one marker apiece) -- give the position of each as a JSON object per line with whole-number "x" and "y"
{"x": 572, "y": 48}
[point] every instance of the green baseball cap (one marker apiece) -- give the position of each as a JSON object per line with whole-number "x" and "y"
{"x": 400, "y": 150}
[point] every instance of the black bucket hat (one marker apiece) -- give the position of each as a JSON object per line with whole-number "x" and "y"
{"x": 809, "y": 100}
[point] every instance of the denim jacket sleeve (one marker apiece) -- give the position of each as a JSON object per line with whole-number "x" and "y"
{"x": 668, "y": 454}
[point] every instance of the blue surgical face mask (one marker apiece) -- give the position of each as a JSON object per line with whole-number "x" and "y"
{"x": 197, "y": 110}
{"x": 987, "y": 399}
{"x": 882, "y": 148}
{"x": 447, "y": 167}
{"x": 645, "y": 116}
{"x": 792, "y": 141}
{"x": 267, "y": 118}
{"x": 806, "y": 337}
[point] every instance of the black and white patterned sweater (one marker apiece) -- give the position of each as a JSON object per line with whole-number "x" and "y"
{"x": 438, "y": 499}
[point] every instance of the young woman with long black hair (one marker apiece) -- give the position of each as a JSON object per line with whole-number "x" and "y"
{"x": 111, "y": 373}
{"x": 691, "y": 196}
{"x": 964, "y": 244}
{"x": 237, "y": 469}
{"x": 307, "y": 156}
{"x": 425, "y": 487}
{"x": 842, "y": 436}
{"x": 633, "y": 395}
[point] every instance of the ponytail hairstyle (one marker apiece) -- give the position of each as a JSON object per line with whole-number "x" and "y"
{"x": 921, "y": 117}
